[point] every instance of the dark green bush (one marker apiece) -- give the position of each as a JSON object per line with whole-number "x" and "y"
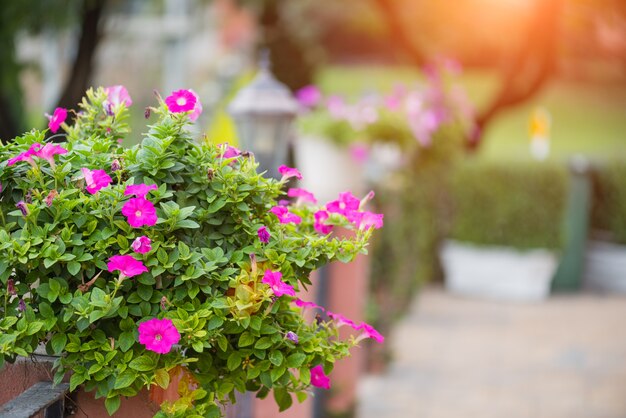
{"x": 609, "y": 204}
{"x": 512, "y": 204}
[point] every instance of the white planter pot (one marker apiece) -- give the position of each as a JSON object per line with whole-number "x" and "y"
{"x": 327, "y": 169}
{"x": 605, "y": 267}
{"x": 499, "y": 273}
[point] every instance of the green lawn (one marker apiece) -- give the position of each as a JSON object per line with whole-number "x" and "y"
{"x": 586, "y": 118}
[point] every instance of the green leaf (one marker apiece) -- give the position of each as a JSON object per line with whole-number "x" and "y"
{"x": 126, "y": 340}
{"x": 283, "y": 399}
{"x": 142, "y": 363}
{"x": 125, "y": 379}
{"x": 58, "y": 343}
{"x": 234, "y": 360}
{"x": 276, "y": 357}
{"x": 162, "y": 378}
{"x": 145, "y": 292}
{"x": 34, "y": 328}
{"x": 76, "y": 380}
{"x": 263, "y": 343}
{"x": 73, "y": 267}
{"x": 295, "y": 360}
{"x": 112, "y": 404}
{"x": 246, "y": 339}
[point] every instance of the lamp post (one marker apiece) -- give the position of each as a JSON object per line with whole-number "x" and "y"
{"x": 263, "y": 112}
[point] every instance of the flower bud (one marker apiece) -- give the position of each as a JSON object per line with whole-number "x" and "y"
{"x": 115, "y": 165}
{"x": 21, "y": 205}
{"x": 48, "y": 200}
{"x": 11, "y": 287}
{"x": 21, "y": 305}
{"x": 292, "y": 336}
{"x": 146, "y": 113}
{"x": 29, "y": 197}
{"x": 210, "y": 174}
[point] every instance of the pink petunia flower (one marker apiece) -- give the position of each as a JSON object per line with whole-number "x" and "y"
{"x": 366, "y": 220}
{"x": 274, "y": 280}
{"x": 304, "y": 304}
{"x": 302, "y": 195}
{"x": 57, "y": 118}
{"x": 95, "y": 179}
{"x": 26, "y": 155}
{"x": 49, "y": 151}
{"x": 142, "y": 245}
{"x": 264, "y": 235}
{"x": 319, "y": 225}
{"x": 118, "y": 95}
{"x": 139, "y": 212}
{"x": 284, "y": 216}
{"x": 139, "y": 190}
{"x": 230, "y": 152}
{"x": 158, "y": 335}
{"x": 319, "y": 378}
{"x": 126, "y": 265}
{"x": 341, "y": 320}
{"x": 344, "y": 205}
{"x": 369, "y": 332}
{"x": 197, "y": 109}
{"x": 309, "y": 96}
{"x": 336, "y": 107}
{"x": 181, "y": 101}
{"x": 288, "y": 172}
{"x": 359, "y": 152}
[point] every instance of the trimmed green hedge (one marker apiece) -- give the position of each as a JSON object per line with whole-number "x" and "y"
{"x": 608, "y": 218}
{"x": 512, "y": 204}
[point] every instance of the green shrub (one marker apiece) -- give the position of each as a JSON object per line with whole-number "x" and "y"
{"x": 609, "y": 204}
{"x": 512, "y": 204}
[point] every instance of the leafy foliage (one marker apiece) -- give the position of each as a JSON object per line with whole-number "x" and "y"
{"x": 205, "y": 267}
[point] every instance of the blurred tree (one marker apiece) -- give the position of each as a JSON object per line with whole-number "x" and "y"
{"x": 22, "y": 16}
{"x": 528, "y": 67}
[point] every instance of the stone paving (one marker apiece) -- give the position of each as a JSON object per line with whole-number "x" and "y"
{"x": 455, "y": 357}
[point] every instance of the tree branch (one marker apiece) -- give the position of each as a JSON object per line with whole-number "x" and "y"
{"x": 398, "y": 32}
{"x": 82, "y": 68}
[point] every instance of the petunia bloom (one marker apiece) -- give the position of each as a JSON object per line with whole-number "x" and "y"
{"x": 158, "y": 335}
{"x": 139, "y": 212}
{"x": 284, "y": 216}
{"x": 319, "y": 378}
{"x": 288, "y": 172}
{"x": 26, "y": 155}
{"x": 197, "y": 108}
{"x": 49, "y": 151}
{"x": 126, "y": 265}
{"x": 366, "y": 220}
{"x": 230, "y": 152}
{"x": 95, "y": 179}
{"x": 309, "y": 96}
{"x": 341, "y": 320}
{"x": 118, "y": 95}
{"x": 319, "y": 225}
{"x": 181, "y": 101}
{"x": 303, "y": 195}
{"x": 346, "y": 204}
{"x": 264, "y": 234}
{"x": 370, "y": 332}
{"x": 139, "y": 190}
{"x": 304, "y": 304}
{"x": 274, "y": 280}
{"x": 57, "y": 118}
{"x": 141, "y": 245}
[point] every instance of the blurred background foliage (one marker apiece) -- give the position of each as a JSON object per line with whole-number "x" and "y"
{"x": 567, "y": 56}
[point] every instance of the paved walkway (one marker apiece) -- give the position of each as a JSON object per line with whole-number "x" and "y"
{"x": 457, "y": 358}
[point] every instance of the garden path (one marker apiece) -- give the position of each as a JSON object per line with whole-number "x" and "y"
{"x": 457, "y": 358}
